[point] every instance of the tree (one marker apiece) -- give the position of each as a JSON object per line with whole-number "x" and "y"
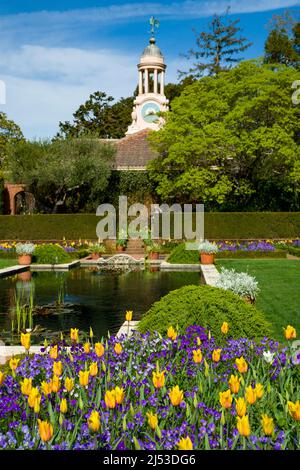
{"x": 282, "y": 43}
{"x": 217, "y": 48}
{"x": 55, "y": 171}
{"x": 232, "y": 142}
{"x": 9, "y": 132}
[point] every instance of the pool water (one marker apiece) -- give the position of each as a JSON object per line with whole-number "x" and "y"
{"x": 91, "y": 297}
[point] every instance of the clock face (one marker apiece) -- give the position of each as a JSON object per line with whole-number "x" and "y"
{"x": 149, "y": 112}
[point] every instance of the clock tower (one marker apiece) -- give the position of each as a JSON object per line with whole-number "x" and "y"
{"x": 151, "y": 96}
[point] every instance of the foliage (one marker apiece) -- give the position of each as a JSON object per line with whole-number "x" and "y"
{"x": 232, "y": 141}
{"x": 51, "y": 254}
{"x": 25, "y": 249}
{"x": 179, "y": 255}
{"x": 9, "y": 132}
{"x": 154, "y": 248}
{"x": 208, "y": 247}
{"x": 217, "y": 47}
{"x": 208, "y": 306}
{"x": 98, "y": 249}
{"x": 243, "y": 254}
{"x": 240, "y": 283}
{"x": 282, "y": 43}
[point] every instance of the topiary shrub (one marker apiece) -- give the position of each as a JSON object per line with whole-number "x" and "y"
{"x": 51, "y": 254}
{"x": 180, "y": 255}
{"x": 206, "y": 306}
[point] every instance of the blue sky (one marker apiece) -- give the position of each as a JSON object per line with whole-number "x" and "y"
{"x": 55, "y": 53}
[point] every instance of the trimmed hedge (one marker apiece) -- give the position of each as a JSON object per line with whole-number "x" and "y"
{"x": 240, "y": 254}
{"x": 294, "y": 251}
{"x": 218, "y": 226}
{"x": 206, "y": 306}
{"x": 50, "y": 254}
{"x": 180, "y": 255}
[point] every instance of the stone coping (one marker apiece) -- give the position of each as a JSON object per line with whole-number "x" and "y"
{"x": 179, "y": 267}
{"x": 11, "y": 270}
{"x": 54, "y": 267}
{"x": 124, "y": 328}
{"x": 210, "y": 274}
{"x": 7, "y": 352}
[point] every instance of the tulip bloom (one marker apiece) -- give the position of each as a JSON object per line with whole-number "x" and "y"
{"x": 158, "y": 379}
{"x": 2, "y": 377}
{"x": 26, "y": 386}
{"x": 176, "y": 396}
{"x": 216, "y": 354}
{"x": 234, "y": 384}
{"x": 171, "y": 333}
{"x": 57, "y": 368}
{"x": 13, "y": 363}
{"x": 241, "y": 406}
{"x": 294, "y": 409}
{"x": 55, "y": 384}
{"x": 152, "y": 420}
{"x": 118, "y": 348}
{"x": 197, "y": 356}
{"x": 243, "y": 426}
{"x": 250, "y": 395}
{"x": 94, "y": 421}
{"x": 46, "y": 388}
{"x": 54, "y": 352}
{"x": 110, "y": 399}
{"x": 99, "y": 349}
{"x": 69, "y": 384}
{"x": 268, "y": 425}
{"x": 259, "y": 389}
{"x": 74, "y": 334}
{"x": 87, "y": 347}
{"x": 63, "y": 406}
{"x": 25, "y": 340}
{"x": 33, "y": 397}
{"x": 45, "y": 430}
{"x": 185, "y": 444}
{"x": 241, "y": 364}
{"x": 290, "y": 332}
{"x": 119, "y": 395}
{"x": 225, "y": 328}
{"x": 91, "y": 333}
{"x": 225, "y": 399}
{"x": 199, "y": 342}
{"x": 128, "y": 315}
{"x": 84, "y": 377}
{"x": 93, "y": 369}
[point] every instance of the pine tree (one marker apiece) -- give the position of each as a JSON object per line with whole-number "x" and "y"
{"x": 282, "y": 45}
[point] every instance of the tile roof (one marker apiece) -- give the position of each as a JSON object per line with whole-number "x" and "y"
{"x": 134, "y": 152}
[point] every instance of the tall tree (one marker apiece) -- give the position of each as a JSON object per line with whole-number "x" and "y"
{"x": 9, "y": 132}
{"x": 217, "y": 47}
{"x": 283, "y": 41}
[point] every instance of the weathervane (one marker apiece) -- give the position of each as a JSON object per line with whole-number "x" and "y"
{"x": 154, "y": 24}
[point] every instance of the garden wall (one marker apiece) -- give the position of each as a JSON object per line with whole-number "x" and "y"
{"x": 218, "y": 225}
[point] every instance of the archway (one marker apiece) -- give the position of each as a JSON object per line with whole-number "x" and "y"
{"x": 24, "y": 203}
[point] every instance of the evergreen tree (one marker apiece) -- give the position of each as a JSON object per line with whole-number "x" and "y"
{"x": 282, "y": 45}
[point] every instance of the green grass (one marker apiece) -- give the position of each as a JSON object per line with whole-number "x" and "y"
{"x": 5, "y": 263}
{"x": 279, "y": 297}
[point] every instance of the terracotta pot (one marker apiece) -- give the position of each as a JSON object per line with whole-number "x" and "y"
{"x": 249, "y": 300}
{"x": 95, "y": 256}
{"x": 25, "y": 276}
{"x": 154, "y": 269}
{"x": 154, "y": 255}
{"x": 25, "y": 259}
{"x": 206, "y": 258}
{"x": 120, "y": 248}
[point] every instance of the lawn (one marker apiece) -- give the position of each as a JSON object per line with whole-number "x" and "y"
{"x": 279, "y": 281}
{"x": 5, "y": 263}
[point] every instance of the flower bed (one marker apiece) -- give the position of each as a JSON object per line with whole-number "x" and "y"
{"x": 180, "y": 391}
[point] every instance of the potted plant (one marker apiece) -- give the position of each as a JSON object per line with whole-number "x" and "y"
{"x": 153, "y": 251}
{"x": 241, "y": 284}
{"x": 121, "y": 244}
{"x": 25, "y": 252}
{"x": 96, "y": 251}
{"x": 207, "y": 252}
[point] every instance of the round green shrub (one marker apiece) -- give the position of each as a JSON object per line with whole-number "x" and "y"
{"x": 51, "y": 254}
{"x": 179, "y": 255}
{"x": 206, "y": 306}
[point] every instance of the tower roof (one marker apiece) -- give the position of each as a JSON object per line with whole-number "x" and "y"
{"x": 152, "y": 49}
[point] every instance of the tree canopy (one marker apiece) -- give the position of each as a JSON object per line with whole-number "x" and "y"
{"x": 9, "y": 132}
{"x": 232, "y": 141}
{"x": 282, "y": 45}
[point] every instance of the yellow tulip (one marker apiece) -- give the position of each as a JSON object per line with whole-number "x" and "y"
{"x": 55, "y": 384}
{"x": 216, "y": 355}
{"x": 94, "y": 421}
{"x": 290, "y": 332}
{"x": 294, "y": 409}
{"x": 128, "y": 315}
{"x": 241, "y": 364}
{"x": 118, "y": 348}
{"x": 74, "y": 334}
{"x": 268, "y": 425}
{"x": 37, "y": 404}
{"x": 87, "y": 347}
{"x": 99, "y": 349}
{"x": 26, "y": 386}
{"x": 152, "y": 420}
{"x": 171, "y": 333}
{"x": 199, "y": 342}
{"x": 197, "y": 356}
{"x": 25, "y": 340}
{"x": 84, "y": 377}
{"x": 110, "y": 399}
{"x": 57, "y": 368}
{"x": 243, "y": 426}
{"x": 250, "y": 395}
{"x": 259, "y": 388}
{"x": 2, "y": 377}
{"x": 176, "y": 396}
{"x": 93, "y": 369}
{"x": 33, "y": 396}
{"x": 225, "y": 328}
{"x": 63, "y": 406}
{"x": 54, "y": 352}
{"x": 46, "y": 388}
{"x": 241, "y": 406}
{"x": 91, "y": 333}
{"x": 119, "y": 395}
{"x": 45, "y": 430}
{"x": 234, "y": 384}
{"x": 69, "y": 384}
{"x": 225, "y": 399}
{"x": 13, "y": 363}
{"x": 158, "y": 379}
{"x": 185, "y": 444}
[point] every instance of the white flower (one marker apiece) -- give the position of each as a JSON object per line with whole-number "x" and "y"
{"x": 268, "y": 357}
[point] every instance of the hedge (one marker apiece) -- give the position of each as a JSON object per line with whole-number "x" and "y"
{"x": 240, "y": 254}
{"x": 218, "y": 226}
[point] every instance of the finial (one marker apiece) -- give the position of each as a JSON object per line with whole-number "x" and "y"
{"x": 154, "y": 24}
